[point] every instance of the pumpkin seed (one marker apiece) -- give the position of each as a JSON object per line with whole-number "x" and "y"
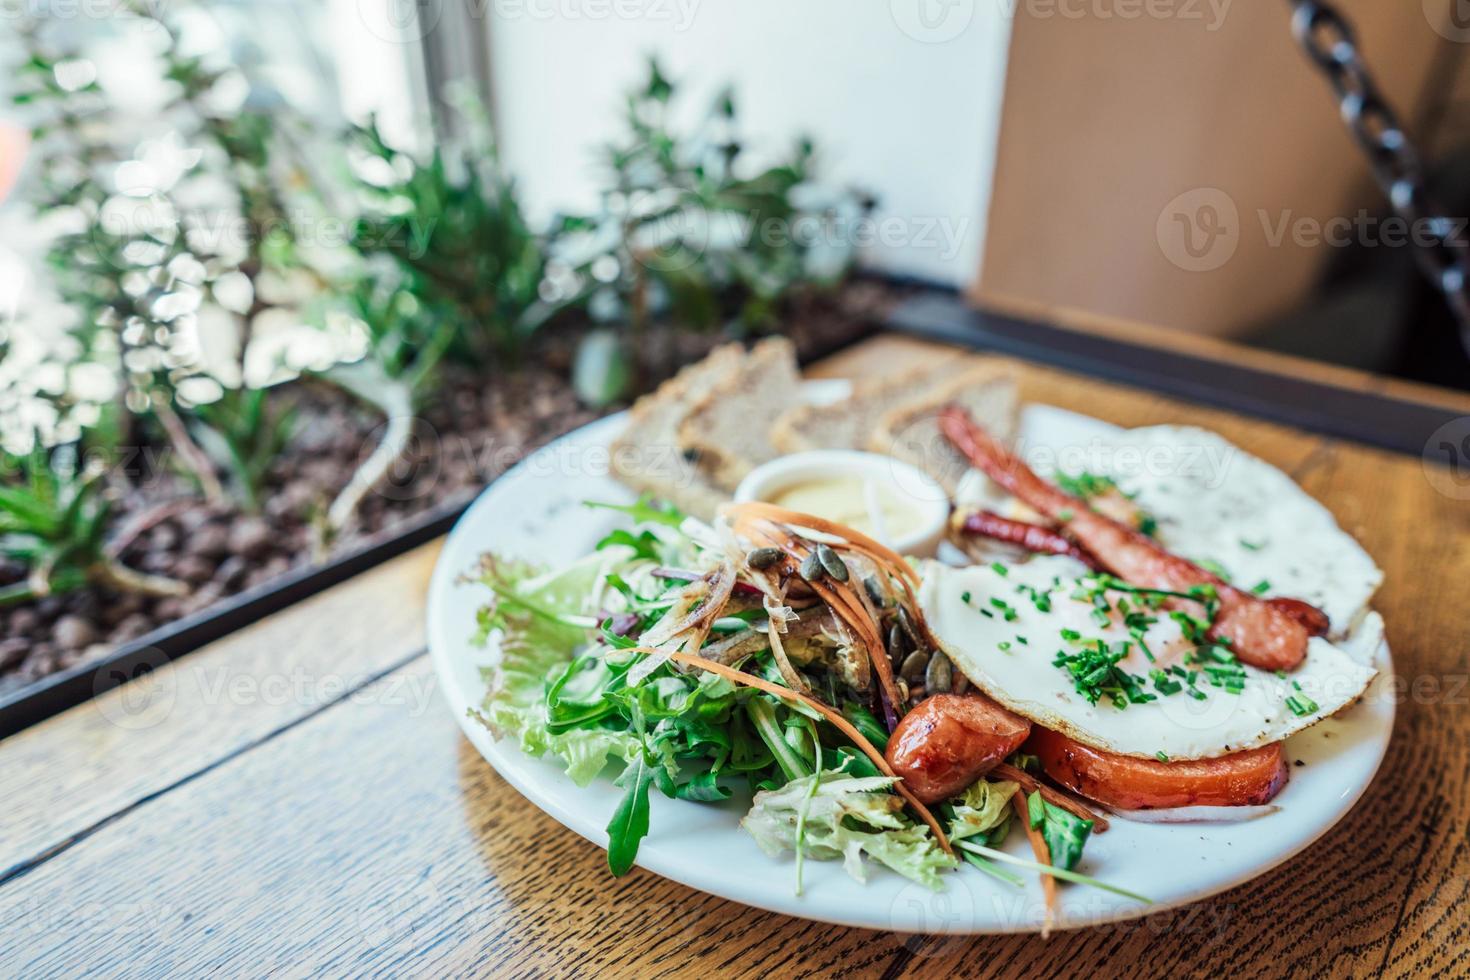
{"x": 763, "y": 557}
{"x": 908, "y": 627}
{"x": 913, "y": 666}
{"x": 875, "y": 591}
{"x": 811, "y": 567}
{"x": 831, "y": 562}
{"x": 939, "y": 676}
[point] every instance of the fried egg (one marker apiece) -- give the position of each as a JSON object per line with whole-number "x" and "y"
{"x": 1022, "y": 631}
{"x": 1220, "y": 507}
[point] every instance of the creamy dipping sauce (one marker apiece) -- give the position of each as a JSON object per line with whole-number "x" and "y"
{"x": 862, "y": 503}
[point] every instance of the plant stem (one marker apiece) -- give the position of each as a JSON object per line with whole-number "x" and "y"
{"x": 194, "y": 458}
{"x": 388, "y": 452}
{"x": 124, "y": 579}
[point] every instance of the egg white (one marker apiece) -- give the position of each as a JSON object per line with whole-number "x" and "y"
{"x": 1008, "y": 652}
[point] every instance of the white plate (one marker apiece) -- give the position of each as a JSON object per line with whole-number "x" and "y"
{"x": 534, "y": 512}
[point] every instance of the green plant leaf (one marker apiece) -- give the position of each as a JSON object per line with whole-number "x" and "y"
{"x": 629, "y": 823}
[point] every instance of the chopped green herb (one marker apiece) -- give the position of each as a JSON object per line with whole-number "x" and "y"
{"x": 1301, "y": 706}
{"x": 1261, "y": 587}
{"x": 1161, "y": 756}
{"x": 998, "y": 568}
{"x": 965, "y": 598}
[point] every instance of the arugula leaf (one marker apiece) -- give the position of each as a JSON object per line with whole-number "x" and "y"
{"x": 629, "y": 824}
{"x": 1065, "y": 833}
{"x": 644, "y": 544}
{"x": 646, "y": 511}
{"x": 702, "y": 788}
{"x": 869, "y": 726}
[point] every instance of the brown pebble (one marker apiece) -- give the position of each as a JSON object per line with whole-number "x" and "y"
{"x": 23, "y": 623}
{"x": 193, "y": 568}
{"x": 131, "y": 628}
{"x": 73, "y": 633}
{"x": 210, "y": 541}
{"x": 251, "y": 537}
{"x": 232, "y": 571}
{"x": 12, "y": 652}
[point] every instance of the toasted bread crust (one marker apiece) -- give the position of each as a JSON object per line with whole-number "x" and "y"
{"x": 910, "y": 431}
{"x": 723, "y": 464}
{"x": 651, "y": 462}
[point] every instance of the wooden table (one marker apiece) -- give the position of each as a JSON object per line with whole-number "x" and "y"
{"x": 297, "y": 798}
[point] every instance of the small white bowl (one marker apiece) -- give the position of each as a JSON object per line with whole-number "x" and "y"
{"x": 907, "y": 483}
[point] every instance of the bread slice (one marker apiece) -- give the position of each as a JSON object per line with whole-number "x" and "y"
{"x": 850, "y": 423}
{"x": 647, "y": 456}
{"x": 727, "y": 431}
{"x": 910, "y": 432}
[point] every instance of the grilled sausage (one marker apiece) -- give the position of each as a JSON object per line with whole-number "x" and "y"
{"x": 948, "y": 741}
{"x": 1243, "y": 779}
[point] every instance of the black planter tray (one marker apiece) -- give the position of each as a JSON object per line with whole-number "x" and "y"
{"x": 64, "y": 689}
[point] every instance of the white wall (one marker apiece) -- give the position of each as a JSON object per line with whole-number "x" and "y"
{"x": 903, "y": 104}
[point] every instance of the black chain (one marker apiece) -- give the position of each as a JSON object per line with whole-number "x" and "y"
{"x": 1440, "y": 245}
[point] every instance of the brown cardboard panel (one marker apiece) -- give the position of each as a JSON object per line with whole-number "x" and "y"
{"x": 1120, "y": 135}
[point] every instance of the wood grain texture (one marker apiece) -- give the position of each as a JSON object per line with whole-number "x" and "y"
{"x": 363, "y": 834}
{"x": 68, "y": 773}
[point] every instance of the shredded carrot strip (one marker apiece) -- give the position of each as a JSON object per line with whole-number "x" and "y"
{"x": 1043, "y": 854}
{"x": 859, "y": 541}
{"x": 841, "y": 597}
{"x": 1066, "y": 801}
{"x": 841, "y": 723}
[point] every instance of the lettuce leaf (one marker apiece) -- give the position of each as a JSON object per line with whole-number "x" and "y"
{"x": 846, "y": 817}
{"x": 984, "y": 808}
{"x": 531, "y": 621}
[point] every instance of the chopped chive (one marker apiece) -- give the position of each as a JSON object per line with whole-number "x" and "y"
{"x": 1161, "y": 757}
{"x": 1301, "y": 706}
{"x": 1261, "y": 587}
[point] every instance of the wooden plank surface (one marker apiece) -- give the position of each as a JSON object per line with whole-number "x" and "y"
{"x": 355, "y": 830}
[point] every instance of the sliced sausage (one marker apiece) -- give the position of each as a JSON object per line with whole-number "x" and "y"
{"x": 949, "y": 740}
{"x": 1243, "y": 779}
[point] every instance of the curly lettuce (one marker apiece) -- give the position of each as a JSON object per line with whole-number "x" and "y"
{"x": 538, "y": 620}
{"x": 831, "y": 815}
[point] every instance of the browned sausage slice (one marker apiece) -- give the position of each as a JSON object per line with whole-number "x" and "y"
{"x": 948, "y": 741}
{"x": 1243, "y": 779}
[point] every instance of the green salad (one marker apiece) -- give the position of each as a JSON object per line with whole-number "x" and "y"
{"x": 707, "y": 663}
